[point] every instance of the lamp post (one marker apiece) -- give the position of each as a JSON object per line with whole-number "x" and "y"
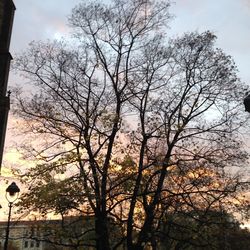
{"x": 247, "y": 103}
{"x": 12, "y": 193}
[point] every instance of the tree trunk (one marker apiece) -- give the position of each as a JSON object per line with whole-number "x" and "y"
{"x": 135, "y": 247}
{"x": 102, "y": 234}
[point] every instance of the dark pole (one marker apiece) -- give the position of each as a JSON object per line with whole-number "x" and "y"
{"x": 8, "y": 228}
{"x": 12, "y": 192}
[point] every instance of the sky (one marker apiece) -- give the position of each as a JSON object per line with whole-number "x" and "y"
{"x": 47, "y": 19}
{"x": 228, "y": 19}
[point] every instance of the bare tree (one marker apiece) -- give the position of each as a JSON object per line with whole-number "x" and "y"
{"x": 129, "y": 117}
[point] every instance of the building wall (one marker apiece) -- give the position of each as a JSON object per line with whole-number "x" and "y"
{"x": 34, "y": 235}
{"x": 18, "y": 239}
{"x": 7, "y": 9}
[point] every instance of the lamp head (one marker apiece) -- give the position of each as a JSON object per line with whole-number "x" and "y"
{"x": 247, "y": 103}
{"x": 12, "y": 189}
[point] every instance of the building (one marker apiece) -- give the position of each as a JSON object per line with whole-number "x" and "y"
{"x": 71, "y": 233}
{"x": 19, "y": 237}
{"x": 7, "y": 9}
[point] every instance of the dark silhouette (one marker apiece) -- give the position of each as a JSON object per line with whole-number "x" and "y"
{"x": 7, "y": 9}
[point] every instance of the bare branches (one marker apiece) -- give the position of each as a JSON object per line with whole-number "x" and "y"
{"x": 140, "y": 127}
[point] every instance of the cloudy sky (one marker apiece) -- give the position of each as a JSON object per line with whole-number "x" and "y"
{"x": 228, "y": 19}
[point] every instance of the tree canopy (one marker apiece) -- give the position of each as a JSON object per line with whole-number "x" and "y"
{"x": 128, "y": 124}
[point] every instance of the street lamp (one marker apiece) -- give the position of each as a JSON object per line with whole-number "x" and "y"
{"x": 247, "y": 103}
{"x": 12, "y": 193}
